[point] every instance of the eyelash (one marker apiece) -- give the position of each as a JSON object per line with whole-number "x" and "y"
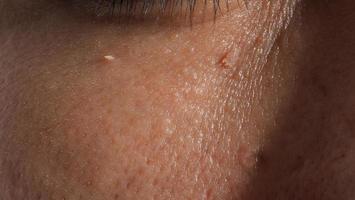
{"x": 145, "y": 7}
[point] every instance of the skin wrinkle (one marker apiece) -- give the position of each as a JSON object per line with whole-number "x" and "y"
{"x": 58, "y": 103}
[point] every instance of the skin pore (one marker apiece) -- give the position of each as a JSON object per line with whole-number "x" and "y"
{"x": 257, "y": 104}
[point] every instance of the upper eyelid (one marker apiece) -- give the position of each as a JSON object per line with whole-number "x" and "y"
{"x": 168, "y": 7}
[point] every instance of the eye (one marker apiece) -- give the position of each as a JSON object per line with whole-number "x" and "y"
{"x": 162, "y": 9}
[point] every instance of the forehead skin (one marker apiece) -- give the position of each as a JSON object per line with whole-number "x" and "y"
{"x": 176, "y": 112}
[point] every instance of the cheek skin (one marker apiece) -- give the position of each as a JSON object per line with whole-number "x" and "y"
{"x": 177, "y": 114}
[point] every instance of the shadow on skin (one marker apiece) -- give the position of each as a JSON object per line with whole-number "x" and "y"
{"x": 311, "y": 153}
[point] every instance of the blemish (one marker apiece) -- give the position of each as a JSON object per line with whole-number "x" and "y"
{"x": 261, "y": 159}
{"x": 116, "y": 196}
{"x": 104, "y": 60}
{"x": 155, "y": 182}
{"x": 109, "y": 57}
{"x": 209, "y": 193}
{"x": 88, "y": 183}
{"x": 246, "y": 157}
{"x": 222, "y": 62}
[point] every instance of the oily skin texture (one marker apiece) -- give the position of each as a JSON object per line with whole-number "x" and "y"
{"x": 230, "y": 110}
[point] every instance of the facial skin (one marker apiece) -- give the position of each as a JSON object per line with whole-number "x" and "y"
{"x": 258, "y": 104}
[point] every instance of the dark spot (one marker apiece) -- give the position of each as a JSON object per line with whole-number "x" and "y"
{"x": 298, "y": 165}
{"x": 130, "y": 182}
{"x": 261, "y": 160}
{"x": 339, "y": 157}
{"x": 116, "y": 197}
{"x": 149, "y": 161}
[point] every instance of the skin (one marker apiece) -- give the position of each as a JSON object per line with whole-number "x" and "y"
{"x": 257, "y": 104}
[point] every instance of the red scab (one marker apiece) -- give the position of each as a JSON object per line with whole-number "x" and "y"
{"x": 222, "y": 62}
